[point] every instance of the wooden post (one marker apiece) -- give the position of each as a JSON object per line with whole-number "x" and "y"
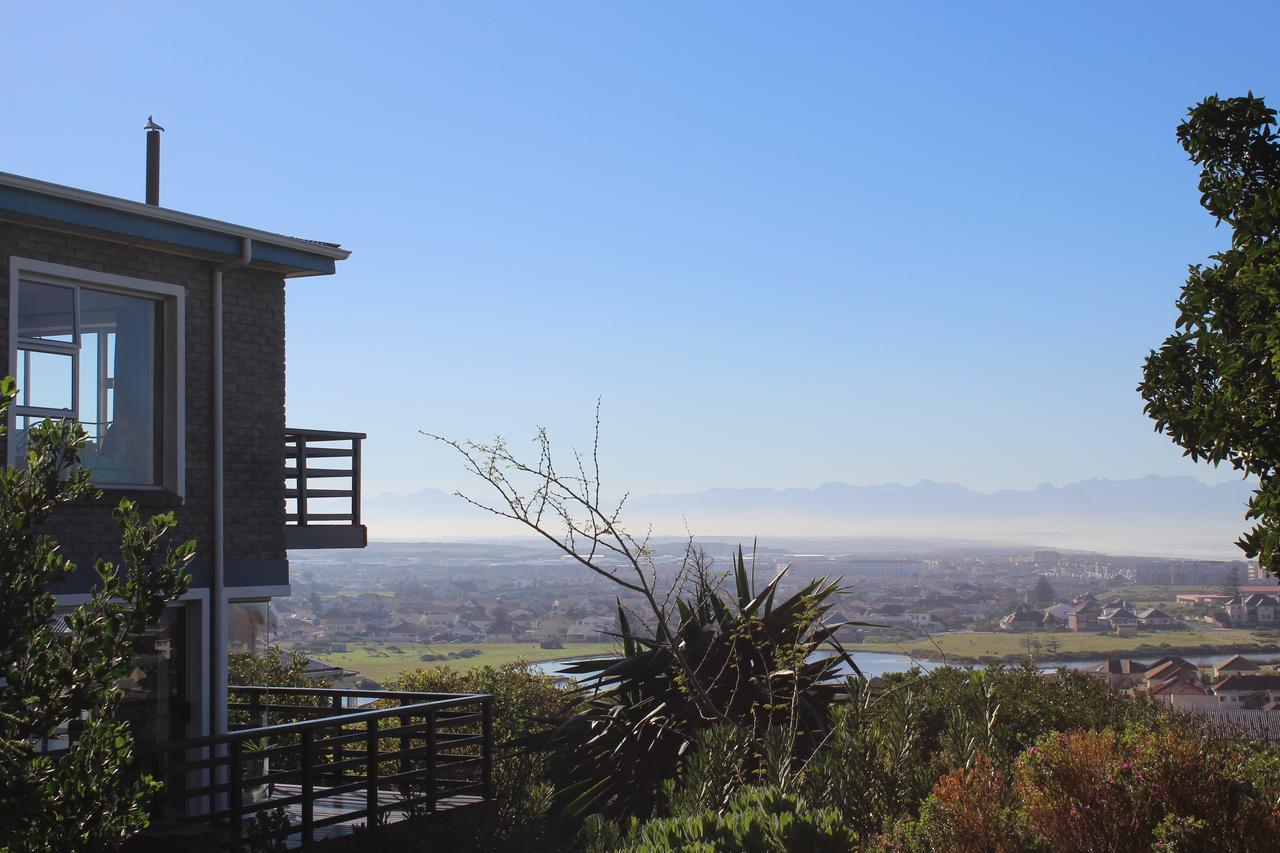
{"x": 355, "y": 481}
{"x": 301, "y": 441}
{"x": 406, "y": 743}
{"x": 235, "y": 797}
{"x": 486, "y": 748}
{"x": 431, "y": 760}
{"x": 308, "y": 788}
{"x": 371, "y": 771}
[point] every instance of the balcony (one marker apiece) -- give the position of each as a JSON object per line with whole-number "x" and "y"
{"x": 332, "y": 760}
{"x": 322, "y": 513}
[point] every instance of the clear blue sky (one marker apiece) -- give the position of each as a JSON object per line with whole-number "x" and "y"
{"x": 787, "y": 243}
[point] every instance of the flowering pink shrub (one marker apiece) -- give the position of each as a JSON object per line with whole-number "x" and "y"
{"x": 1091, "y": 791}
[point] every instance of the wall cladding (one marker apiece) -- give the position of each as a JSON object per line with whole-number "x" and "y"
{"x": 253, "y": 359}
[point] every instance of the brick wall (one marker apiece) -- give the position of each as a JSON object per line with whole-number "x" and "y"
{"x": 253, "y": 347}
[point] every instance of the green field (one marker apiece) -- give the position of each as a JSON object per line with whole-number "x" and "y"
{"x": 975, "y": 645}
{"x": 382, "y": 661}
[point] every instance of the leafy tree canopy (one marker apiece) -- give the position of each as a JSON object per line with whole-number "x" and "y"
{"x": 1213, "y": 386}
{"x": 80, "y": 797}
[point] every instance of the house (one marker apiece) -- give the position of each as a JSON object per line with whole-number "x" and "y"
{"x": 1247, "y": 689}
{"x": 1171, "y": 668}
{"x": 1122, "y": 618}
{"x": 1153, "y": 617}
{"x": 1234, "y": 665}
{"x": 1023, "y": 618}
{"x": 163, "y": 334}
{"x": 1181, "y": 694}
{"x": 1084, "y": 617}
{"x": 1253, "y": 610}
{"x": 1119, "y": 673}
{"x": 169, "y": 328}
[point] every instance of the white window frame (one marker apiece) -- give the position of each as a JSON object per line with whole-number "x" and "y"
{"x": 173, "y": 361}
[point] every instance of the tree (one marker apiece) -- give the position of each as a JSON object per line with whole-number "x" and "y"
{"x": 1231, "y": 581}
{"x": 1214, "y": 385}
{"x": 80, "y": 798}
{"x": 1042, "y": 593}
{"x": 695, "y": 652}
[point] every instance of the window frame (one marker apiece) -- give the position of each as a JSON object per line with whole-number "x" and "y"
{"x": 173, "y": 357}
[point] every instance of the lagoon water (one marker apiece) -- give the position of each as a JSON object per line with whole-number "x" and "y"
{"x": 873, "y": 664}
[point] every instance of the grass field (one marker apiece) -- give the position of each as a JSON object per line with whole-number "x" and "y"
{"x": 381, "y": 661}
{"x": 974, "y": 645}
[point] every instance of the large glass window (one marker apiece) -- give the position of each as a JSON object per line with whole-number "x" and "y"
{"x": 95, "y": 356}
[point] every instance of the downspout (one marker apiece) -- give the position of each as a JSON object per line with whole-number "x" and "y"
{"x": 217, "y": 600}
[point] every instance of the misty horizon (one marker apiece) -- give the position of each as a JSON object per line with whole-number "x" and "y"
{"x": 1178, "y": 516}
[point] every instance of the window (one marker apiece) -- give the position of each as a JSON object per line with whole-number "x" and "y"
{"x": 104, "y": 351}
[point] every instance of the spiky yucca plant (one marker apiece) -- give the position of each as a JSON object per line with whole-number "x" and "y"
{"x": 756, "y": 662}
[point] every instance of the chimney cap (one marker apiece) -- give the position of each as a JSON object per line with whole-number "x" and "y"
{"x": 152, "y": 126}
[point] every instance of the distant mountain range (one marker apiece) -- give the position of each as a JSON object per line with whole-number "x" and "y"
{"x": 1176, "y": 516}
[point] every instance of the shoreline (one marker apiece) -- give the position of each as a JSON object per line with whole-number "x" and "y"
{"x": 1143, "y": 650}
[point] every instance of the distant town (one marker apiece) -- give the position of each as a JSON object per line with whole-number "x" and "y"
{"x": 367, "y": 615}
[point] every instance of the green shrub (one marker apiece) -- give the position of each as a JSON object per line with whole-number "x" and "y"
{"x": 522, "y": 791}
{"x": 758, "y": 820}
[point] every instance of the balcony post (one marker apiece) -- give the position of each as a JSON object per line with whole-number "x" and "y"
{"x": 301, "y": 442}
{"x": 486, "y": 747}
{"x": 355, "y": 481}
{"x": 431, "y": 760}
{"x": 235, "y": 797}
{"x": 371, "y": 772}
{"x": 308, "y": 788}
{"x": 406, "y": 743}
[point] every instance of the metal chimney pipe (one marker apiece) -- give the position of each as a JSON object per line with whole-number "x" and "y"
{"x": 153, "y": 162}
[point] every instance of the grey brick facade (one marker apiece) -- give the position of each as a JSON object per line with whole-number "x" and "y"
{"x": 254, "y": 421}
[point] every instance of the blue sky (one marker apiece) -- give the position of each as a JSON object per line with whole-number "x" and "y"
{"x": 786, "y": 245}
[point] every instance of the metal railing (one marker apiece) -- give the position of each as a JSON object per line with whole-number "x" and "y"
{"x": 328, "y": 764}
{"x": 305, "y": 447}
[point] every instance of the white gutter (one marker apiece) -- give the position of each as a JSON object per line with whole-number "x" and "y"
{"x": 217, "y": 597}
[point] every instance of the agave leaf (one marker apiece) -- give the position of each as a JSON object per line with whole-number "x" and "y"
{"x": 740, "y": 573}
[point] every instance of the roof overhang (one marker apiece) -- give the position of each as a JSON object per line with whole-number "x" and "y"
{"x": 121, "y": 220}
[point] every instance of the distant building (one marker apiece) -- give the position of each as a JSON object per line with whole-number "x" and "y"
{"x": 1153, "y": 617}
{"x": 1119, "y": 673}
{"x": 1023, "y": 618}
{"x": 1234, "y": 665}
{"x": 1084, "y": 617}
{"x": 854, "y": 567}
{"x": 1254, "y": 610}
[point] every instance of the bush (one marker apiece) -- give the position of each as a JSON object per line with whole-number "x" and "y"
{"x": 1104, "y": 790}
{"x": 758, "y": 820}
{"x": 972, "y": 810}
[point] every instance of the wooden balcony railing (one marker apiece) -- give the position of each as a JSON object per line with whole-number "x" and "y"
{"x": 322, "y": 484}
{"x": 330, "y": 766}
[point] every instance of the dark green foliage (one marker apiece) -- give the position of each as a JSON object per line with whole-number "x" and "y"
{"x": 273, "y": 667}
{"x": 521, "y": 786}
{"x": 1213, "y": 385}
{"x": 1042, "y": 593}
{"x": 745, "y": 660}
{"x": 82, "y": 798}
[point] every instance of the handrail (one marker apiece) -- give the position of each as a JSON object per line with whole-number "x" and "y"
{"x": 303, "y": 447}
{"x": 347, "y": 718}
{"x": 324, "y": 433}
{"x": 429, "y": 750}
{"x": 346, "y": 692}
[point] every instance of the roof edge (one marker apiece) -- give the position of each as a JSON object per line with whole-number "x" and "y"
{"x": 177, "y": 217}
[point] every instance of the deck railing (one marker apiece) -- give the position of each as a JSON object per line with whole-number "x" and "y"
{"x": 328, "y": 762}
{"x": 324, "y": 514}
